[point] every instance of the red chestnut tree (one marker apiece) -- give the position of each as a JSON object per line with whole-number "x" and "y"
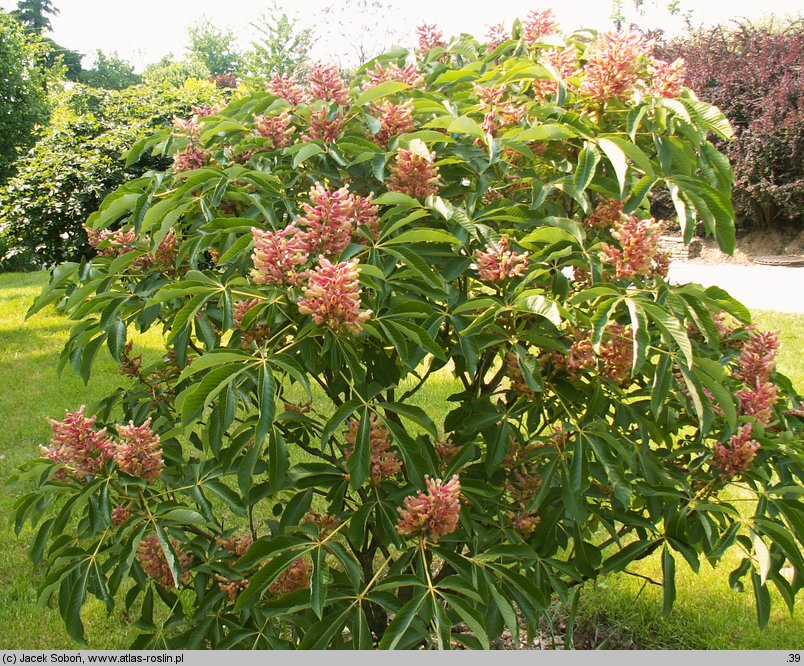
{"x": 423, "y": 369}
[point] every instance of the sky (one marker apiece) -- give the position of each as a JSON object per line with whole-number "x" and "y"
{"x": 142, "y": 31}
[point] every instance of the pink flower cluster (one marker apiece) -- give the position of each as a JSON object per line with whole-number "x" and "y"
{"x": 166, "y": 252}
{"x": 395, "y": 119}
{"x": 496, "y": 35}
{"x": 366, "y": 214}
{"x": 579, "y": 356}
{"x": 617, "y": 351}
{"x": 445, "y": 450}
{"x": 241, "y": 308}
{"x": 758, "y": 401}
{"x": 667, "y": 78}
{"x": 563, "y": 61}
{"x": 607, "y": 214}
{"x": 613, "y": 64}
{"x": 384, "y": 460}
{"x": 523, "y": 489}
{"x": 538, "y": 24}
{"x": 414, "y": 174}
{"x": 498, "y": 113}
{"x": 139, "y": 453}
{"x": 392, "y": 72}
{"x": 78, "y": 446}
{"x": 190, "y": 157}
{"x": 429, "y": 37}
{"x": 84, "y": 451}
{"x": 154, "y": 563}
{"x": 277, "y": 256}
{"x": 328, "y": 221}
{"x": 325, "y": 522}
{"x": 276, "y": 128}
{"x": 327, "y": 84}
{"x": 295, "y": 577}
{"x": 120, "y": 514}
{"x": 288, "y": 89}
{"x": 332, "y": 296}
{"x": 432, "y": 514}
{"x": 236, "y": 546}
{"x": 323, "y": 128}
{"x": 757, "y": 357}
{"x": 112, "y": 243}
{"x": 755, "y": 364}
{"x": 498, "y": 263}
{"x": 638, "y": 253}
{"x": 737, "y": 454}
{"x": 231, "y": 588}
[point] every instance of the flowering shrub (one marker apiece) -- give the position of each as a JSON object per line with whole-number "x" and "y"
{"x": 478, "y": 221}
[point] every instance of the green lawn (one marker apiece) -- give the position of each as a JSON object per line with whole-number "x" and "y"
{"x": 707, "y": 615}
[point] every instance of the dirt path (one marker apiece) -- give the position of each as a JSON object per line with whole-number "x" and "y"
{"x": 759, "y": 287}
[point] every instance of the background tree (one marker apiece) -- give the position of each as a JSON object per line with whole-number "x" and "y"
{"x": 174, "y": 73}
{"x": 363, "y": 29}
{"x": 110, "y": 71}
{"x": 23, "y": 98}
{"x": 280, "y": 47}
{"x": 33, "y": 14}
{"x": 621, "y": 16}
{"x": 55, "y": 55}
{"x": 214, "y": 48}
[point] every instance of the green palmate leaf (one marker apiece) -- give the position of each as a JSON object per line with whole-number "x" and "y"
{"x": 762, "y": 555}
{"x": 194, "y": 399}
{"x": 634, "y": 551}
{"x": 470, "y": 616}
{"x": 640, "y": 335}
{"x": 465, "y": 125}
{"x": 617, "y": 159}
{"x": 397, "y": 199}
{"x": 384, "y": 89}
{"x": 668, "y": 580}
{"x": 671, "y": 328}
{"x": 319, "y": 582}
{"x": 261, "y": 580}
{"x": 116, "y": 339}
{"x": 540, "y": 305}
{"x": 361, "y": 633}
{"x": 402, "y": 621}
{"x": 631, "y": 150}
{"x": 267, "y": 405}
{"x": 305, "y": 153}
{"x": 358, "y": 463}
{"x": 169, "y": 552}
{"x": 548, "y": 132}
{"x": 588, "y": 160}
{"x": 422, "y": 236}
{"x": 762, "y": 600}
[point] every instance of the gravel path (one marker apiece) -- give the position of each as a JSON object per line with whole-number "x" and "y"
{"x": 759, "y": 287}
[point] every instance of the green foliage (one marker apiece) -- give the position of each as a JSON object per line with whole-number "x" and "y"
{"x": 213, "y": 48}
{"x": 753, "y": 73}
{"x": 281, "y": 48}
{"x": 174, "y": 74}
{"x": 33, "y": 15}
{"x": 77, "y": 163}
{"x": 23, "y": 98}
{"x": 110, "y": 72}
{"x": 284, "y": 481}
{"x": 54, "y": 56}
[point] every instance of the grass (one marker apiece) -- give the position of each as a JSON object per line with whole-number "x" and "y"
{"x": 707, "y": 615}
